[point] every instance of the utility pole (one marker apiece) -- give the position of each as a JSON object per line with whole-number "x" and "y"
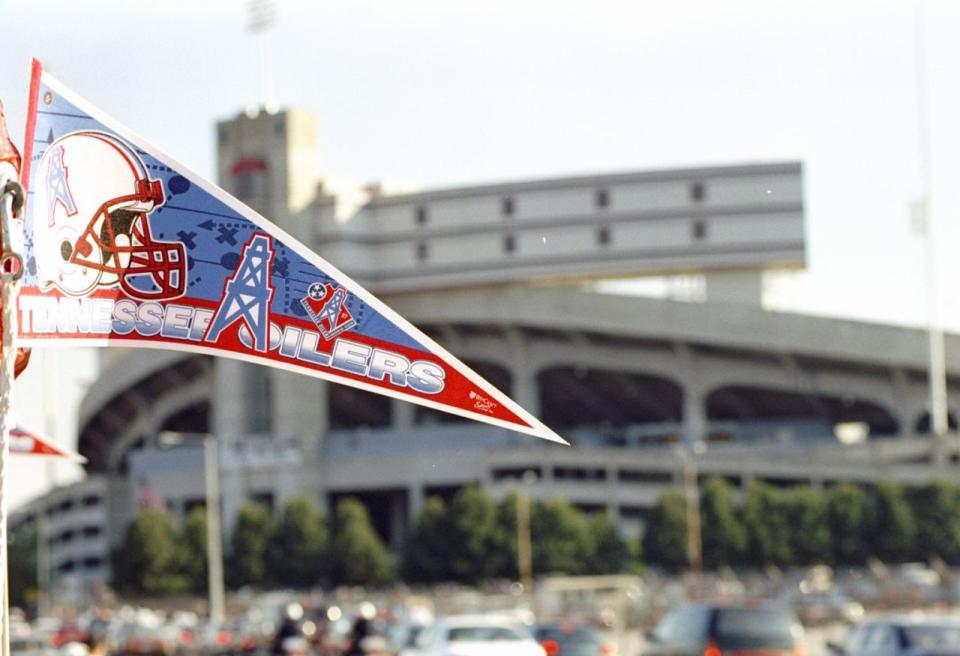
{"x": 211, "y": 463}
{"x": 939, "y": 418}
{"x": 524, "y": 543}
{"x": 262, "y": 18}
{"x": 691, "y": 490}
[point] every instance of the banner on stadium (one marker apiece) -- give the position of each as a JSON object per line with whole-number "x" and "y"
{"x": 126, "y": 247}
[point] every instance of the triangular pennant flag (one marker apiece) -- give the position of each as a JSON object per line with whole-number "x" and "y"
{"x": 126, "y": 247}
{"x": 23, "y": 442}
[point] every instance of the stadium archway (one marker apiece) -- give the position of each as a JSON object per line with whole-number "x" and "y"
{"x": 748, "y": 412}
{"x": 586, "y": 397}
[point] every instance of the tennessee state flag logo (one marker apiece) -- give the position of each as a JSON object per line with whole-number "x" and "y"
{"x": 326, "y": 306}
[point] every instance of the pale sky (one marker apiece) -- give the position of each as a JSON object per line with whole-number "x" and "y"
{"x": 443, "y": 92}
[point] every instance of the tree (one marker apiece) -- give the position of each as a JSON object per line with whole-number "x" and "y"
{"x": 297, "y": 556}
{"x": 766, "y": 518}
{"x": 936, "y": 507}
{"x": 148, "y": 560}
{"x": 252, "y": 534}
{"x": 22, "y": 555}
{"x": 810, "y": 529}
{"x": 665, "y": 540}
{"x": 504, "y": 552}
{"x": 847, "y": 522}
{"x": 472, "y": 528}
{"x": 359, "y": 556}
{"x": 892, "y": 527}
{"x": 427, "y": 549}
{"x": 561, "y": 538}
{"x": 610, "y": 553}
{"x": 193, "y": 554}
{"x": 724, "y": 536}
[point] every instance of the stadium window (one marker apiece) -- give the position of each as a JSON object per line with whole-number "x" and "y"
{"x": 90, "y": 501}
{"x": 698, "y": 192}
{"x": 515, "y": 473}
{"x": 602, "y": 198}
{"x": 603, "y": 235}
{"x": 422, "y": 251}
{"x": 699, "y": 230}
{"x": 91, "y": 531}
{"x": 92, "y": 562}
{"x": 507, "y": 206}
{"x": 509, "y": 243}
{"x": 421, "y": 215}
{"x": 263, "y": 498}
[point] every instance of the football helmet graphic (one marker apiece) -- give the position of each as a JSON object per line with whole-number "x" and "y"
{"x": 91, "y": 203}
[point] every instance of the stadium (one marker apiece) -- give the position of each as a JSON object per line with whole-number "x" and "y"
{"x": 514, "y": 279}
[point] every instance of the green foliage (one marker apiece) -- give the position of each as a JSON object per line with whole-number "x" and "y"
{"x": 148, "y": 561}
{"x": 767, "y": 520}
{"x": 193, "y": 556}
{"x": 297, "y": 555}
{"x": 22, "y": 555}
{"x": 252, "y": 535}
{"x": 504, "y": 551}
{"x": 807, "y": 512}
{"x": 610, "y": 554}
{"x": 561, "y": 538}
{"x": 473, "y": 540}
{"x": 847, "y": 522}
{"x": 892, "y": 527}
{"x": 665, "y": 540}
{"x": 472, "y": 533}
{"x": 937, "y": 510}
{"x": 724, "y": 536}
{"x": 428, "y": 546}
{"x": 358, "y": 555}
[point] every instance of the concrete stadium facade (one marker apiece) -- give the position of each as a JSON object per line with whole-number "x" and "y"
{"x": 505, "y": 277}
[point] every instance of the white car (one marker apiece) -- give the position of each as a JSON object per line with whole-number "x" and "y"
{"x": 475, "y": 635}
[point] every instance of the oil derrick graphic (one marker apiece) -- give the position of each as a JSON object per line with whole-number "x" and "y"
{"x": 247, "y": 294}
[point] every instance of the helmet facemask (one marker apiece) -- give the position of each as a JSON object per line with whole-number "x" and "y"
{"x": 119, "y": 244}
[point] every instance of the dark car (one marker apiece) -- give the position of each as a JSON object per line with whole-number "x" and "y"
{"x": 572, "y": 640}
{"x": 727, "y": 630}
{"x": 901, "y": 637}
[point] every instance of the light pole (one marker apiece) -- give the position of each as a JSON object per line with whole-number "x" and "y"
{"x": 524, "y": 544}
{"x": 691, "y": 494}
{"x": 939, "y": 420}
{"x": 211, "y": 463}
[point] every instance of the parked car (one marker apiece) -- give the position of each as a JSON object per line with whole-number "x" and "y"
{"x": 572, "y": 640}
{"x": 715, "y": 629}
{"x": 815, "y": 608}
{"x": 475, "y": 635}
{"x": 906, "y": 636}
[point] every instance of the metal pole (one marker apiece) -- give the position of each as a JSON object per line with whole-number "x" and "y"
{"x": 524, "y": 548}
{"x": 939, "y": 419}
{"x": 691, "y": 487}
{"x": 44, "y": 600}
{"x": 214, "y": 536}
